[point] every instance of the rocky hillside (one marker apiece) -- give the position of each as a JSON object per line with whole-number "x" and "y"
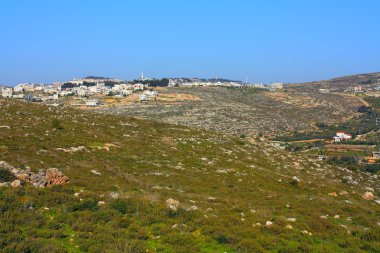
{"x": 345, "y": 82}
{"x": 143, "y": 186}
{"x": 242, "y": 111}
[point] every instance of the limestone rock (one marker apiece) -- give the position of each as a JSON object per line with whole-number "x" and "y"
{"x": 172, "y": 204}
{"x": 296, "y": 179}
{"x": 288, "y": 227}
{"x": 55, "y": 177}
{"x": 114, "y": 195}
{"x": 6, "y": 184}
{"x": 368, "y": 196}
{"x": 16, "y": 183}
{"x": 192, "y": 208}
{"x": 269, "y": 223}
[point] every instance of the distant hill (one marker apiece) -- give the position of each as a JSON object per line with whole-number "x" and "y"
{"x": 345, "y": 82}
{"x": 97, "y": 77}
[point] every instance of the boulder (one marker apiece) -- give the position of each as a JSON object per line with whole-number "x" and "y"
{"x": 16, "y": 183}
{"x": 114, "y": 195}
{"x": 4, "y": 165}
{"x": 288, "y": 227}
{"x": 307, "y": 232}
{"x": 6, "y": 184}
{"x": 55, "y": 177}
{"x": 23, "y": 176}
{"x": 368, "y": 196}
{"x": 172, "y": 204}
{"x": 192, "y": 208}
{"x": 296, "y": 179}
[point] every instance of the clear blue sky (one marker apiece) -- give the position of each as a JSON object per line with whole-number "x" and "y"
{"x": 265, "y": 40}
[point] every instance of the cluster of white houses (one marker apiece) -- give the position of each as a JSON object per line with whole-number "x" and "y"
{"x": 89, "y": 87}
{"x": 80, "y": 88}
{"x": 273, "y": 86}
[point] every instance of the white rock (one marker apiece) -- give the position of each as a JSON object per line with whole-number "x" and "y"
{"x": 95, "y": 172}
{"x": 16, "y": 183}
{"x": 114, "y": 195}
{"x": 192, "y": 208}
{"x": 172, "y": 204}
{"x": 294, "y": 178}
{"x": 269, "y": 223}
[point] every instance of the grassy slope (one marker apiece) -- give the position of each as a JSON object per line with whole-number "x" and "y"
{"x": 155, "y": 161}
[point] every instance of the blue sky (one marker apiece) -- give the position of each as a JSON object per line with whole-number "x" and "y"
{"x": 264, "y": 40}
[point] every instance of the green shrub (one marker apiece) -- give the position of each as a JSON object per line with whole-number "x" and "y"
{"x": 56, "y": 124}
{"x": 91, "y": 205}
{"x": 119, "y": 205}
{"x": 6, "y": 176}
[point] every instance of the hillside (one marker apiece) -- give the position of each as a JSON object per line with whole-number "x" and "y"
{"x": 235, "y": 194}
{"x": 345, "y": 82}
{"x": 241, "y": 110}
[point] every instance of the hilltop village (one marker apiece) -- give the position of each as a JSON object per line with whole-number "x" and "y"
{"x": 335, "y": 119}
{"x": 90, "y": 91}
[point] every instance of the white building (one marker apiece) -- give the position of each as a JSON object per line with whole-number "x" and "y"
{"x": 92, "y": 103}
{"x": 324, "y": 91}
{"x": 172, "y": 83}
{"x": 19, "y": 88}
{"x": 53, "y": 97}
{"x": 7, "y": 92}
{"x": 277, "y": 86}
{"x": 81, "y": 91}
{"x": 144, "y": 98}
{"x": 18, "y": 96}
{"x": 126, "y": 92}
{"x": 151, "y": 94}
{"x": 138, "y": 86}
{"x": 94, "y": 89}
{"x": 342, "y": 136}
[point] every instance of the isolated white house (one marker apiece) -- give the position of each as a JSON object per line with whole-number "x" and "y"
{"x": 342, "y": 136}
{"x": 92, "y": 102}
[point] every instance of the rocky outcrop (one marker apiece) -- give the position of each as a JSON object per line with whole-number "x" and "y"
{"x": 172, "y": 204}
{"x": 55, "y": 177}
{"x": 41, "y": 179}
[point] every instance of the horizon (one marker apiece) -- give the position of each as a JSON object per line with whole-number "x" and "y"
{"x": 292, "y": 42}
{"x": 133, "y": 79}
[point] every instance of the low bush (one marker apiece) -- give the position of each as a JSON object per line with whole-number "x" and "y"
{"x": 6, "y": 176}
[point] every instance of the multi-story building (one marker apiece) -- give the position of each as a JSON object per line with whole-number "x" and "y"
{"x": 7, "y": 92}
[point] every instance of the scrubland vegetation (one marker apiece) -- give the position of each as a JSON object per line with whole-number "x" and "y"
{"x": 235, "y": 194}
